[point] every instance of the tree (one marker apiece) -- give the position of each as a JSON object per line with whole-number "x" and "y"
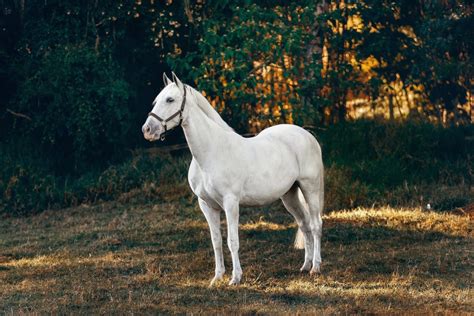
{"x": 249, "y": 60}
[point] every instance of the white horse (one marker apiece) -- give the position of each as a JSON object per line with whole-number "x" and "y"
{"x": 227, "y": 171}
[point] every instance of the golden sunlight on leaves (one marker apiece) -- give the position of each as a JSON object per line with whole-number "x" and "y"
{"x": 272, "y": 88}
{"x": 354, "y": 82}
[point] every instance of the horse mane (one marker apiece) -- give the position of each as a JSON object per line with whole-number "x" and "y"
{"x": 207, "y": 108}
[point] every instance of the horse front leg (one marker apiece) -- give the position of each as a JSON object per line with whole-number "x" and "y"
{"x": 213, "y": 217}
{"x": 231, "y": 208}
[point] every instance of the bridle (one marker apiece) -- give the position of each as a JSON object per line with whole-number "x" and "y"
{"x": 164, "y": 121}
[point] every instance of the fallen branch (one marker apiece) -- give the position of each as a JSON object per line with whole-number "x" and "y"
{"x": 19, "y": 115}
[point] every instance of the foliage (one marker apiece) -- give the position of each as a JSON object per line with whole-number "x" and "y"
{"x": 398, "y": 164}
{"x": 410, "y": 55}
{"x": 85, "y": 73}
{"x": 247, "y": 59}
{"x": 264, "y": 63}
{"x": 392, "y": 153}
{"x": 366, "y": 163}
{"x": 28, "y": 188}
{"x": 447, "y": 31}
{"x": 78, "y": 79}
{"x": 77, "y": 102}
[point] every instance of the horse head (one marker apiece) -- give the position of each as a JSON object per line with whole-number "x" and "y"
{"x": 167, "y": 112}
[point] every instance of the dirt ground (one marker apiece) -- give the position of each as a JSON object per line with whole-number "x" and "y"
{"x": 142, "y": 257}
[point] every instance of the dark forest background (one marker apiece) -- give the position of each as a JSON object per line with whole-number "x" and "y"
{"x": 386, "y": 86}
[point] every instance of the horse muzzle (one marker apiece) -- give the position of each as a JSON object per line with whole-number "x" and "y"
{"x": 150, "y": 133}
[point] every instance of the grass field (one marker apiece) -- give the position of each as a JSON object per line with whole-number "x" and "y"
{"x": 132, "y": 256}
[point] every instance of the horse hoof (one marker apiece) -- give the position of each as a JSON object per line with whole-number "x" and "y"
{"x": 213, "y": 282}
{"x": 306, "y": 267}
{"x": 216, "y": 278}
{"x": 234, "y": 281}
{"x": 315, "y": 270}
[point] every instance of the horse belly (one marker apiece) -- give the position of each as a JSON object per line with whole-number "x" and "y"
{"x": 261, "y": 200}
{"x": 265, "y": 187}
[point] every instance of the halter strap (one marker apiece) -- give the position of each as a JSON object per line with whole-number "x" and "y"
{"x": 164, "y": 121}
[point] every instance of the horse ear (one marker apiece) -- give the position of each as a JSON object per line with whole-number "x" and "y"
{"x": 166, "y": 80}
{"x": 177, "y": 81}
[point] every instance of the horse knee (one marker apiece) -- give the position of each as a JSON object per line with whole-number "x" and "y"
{"x": 317, "y": 229}
{"x": 303, "y": 224}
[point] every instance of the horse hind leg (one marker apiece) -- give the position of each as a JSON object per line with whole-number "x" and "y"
{"x": 313, "y": 191}
{"x": 294, "y": 202}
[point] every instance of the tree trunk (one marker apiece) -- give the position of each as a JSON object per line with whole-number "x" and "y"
{"x": 342, "y": 111}
{"x": 315, "y": 47}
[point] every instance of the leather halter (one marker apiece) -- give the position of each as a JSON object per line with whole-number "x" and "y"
{"x": 164, "y": 121}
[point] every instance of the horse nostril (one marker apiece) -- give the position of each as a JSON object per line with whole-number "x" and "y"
{"x": 146, "y": 129}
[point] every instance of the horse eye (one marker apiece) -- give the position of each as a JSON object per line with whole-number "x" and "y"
{"x": 169, "y": 100}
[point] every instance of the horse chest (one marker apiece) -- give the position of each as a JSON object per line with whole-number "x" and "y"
{"x": 205, "y": 186}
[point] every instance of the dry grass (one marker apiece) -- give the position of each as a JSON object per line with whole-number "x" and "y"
{"x": 143, "y": 257}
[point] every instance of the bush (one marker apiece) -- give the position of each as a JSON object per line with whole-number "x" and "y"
{"x": 28, "y": 188}
{"x": 389, "y": 154}
{"x": 412, "y": 164}
{"x": 366, "y": 163}
{"x": 25, "y": 181}
{"x": 77, "y": 102}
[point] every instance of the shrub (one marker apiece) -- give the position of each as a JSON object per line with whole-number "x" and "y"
{"x": 28, "y": 187}
{"x": 77, "y": 102}
{"x": 366, "y": 163}
{"x": 389, "y": 154}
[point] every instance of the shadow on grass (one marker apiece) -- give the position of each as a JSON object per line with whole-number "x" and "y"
{"x": 347, "y": 233}
{"x": 365, "y": 253}
{"x": 351, "y": 298}
{"x": 167, "y": 267}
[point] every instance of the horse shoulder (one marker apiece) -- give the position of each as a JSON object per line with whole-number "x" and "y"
{"x": 195, "y": 177}
{"x": 202, "y": 185}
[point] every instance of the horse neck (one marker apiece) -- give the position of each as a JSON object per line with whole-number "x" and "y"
{"x": 208, "y": 110}
{"x": 203, "y": 135}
